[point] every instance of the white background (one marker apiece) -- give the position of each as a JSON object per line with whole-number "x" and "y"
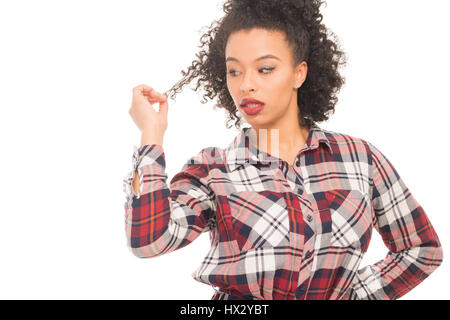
{"x": 67, "y": 69}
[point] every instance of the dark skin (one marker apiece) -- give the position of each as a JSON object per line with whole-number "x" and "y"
{"x": 272, "y": 81}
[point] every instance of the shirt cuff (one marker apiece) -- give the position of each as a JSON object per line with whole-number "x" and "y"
{"x": 142, "y": 156}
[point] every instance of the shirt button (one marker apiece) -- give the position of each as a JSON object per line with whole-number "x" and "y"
{"x": 309, "y": 218}
{"x": 308, "y": 255}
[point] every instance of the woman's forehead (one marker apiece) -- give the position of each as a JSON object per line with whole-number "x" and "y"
{"x": 254, "y": 43}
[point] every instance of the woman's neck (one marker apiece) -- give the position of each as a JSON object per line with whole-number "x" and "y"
{"x": 280, "y": 141}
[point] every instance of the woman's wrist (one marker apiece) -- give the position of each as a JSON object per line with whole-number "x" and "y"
{"x": 149, "y": 138}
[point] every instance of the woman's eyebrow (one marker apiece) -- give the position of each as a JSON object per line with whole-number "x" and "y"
{"x": 267, "y": 56}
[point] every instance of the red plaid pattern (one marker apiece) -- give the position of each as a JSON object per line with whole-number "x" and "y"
{"x": 285, "y": 232}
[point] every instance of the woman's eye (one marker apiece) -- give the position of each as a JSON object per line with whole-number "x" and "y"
{"x": 267, "y": 71}
{"x": 267, "y": 68}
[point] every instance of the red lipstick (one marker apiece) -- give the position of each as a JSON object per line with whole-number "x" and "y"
{"x": 252, "y": 106}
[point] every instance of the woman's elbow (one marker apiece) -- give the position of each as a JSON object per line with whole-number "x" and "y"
{"x": 143, "y": 252}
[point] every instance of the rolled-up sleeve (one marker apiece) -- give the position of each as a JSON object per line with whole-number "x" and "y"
{"x": 161, "y": 218}
{"x": 414, "y": 247}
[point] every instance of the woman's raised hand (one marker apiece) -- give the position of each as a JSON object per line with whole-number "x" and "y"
{"x": 150, "y": 122}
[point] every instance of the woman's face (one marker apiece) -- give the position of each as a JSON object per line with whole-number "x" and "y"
{"x": 271, "y": 80}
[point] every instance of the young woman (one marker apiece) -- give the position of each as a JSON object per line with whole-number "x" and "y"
{"x": 289, "y": 207}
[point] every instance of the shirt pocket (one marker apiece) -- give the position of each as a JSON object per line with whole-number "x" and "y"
{"x": 259, "y": 219}
{"x": 350, "y": 216}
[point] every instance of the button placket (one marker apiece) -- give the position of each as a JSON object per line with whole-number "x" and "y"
{"x": 308, "y": 243}
{"x": 307, "y": 261}
{"x": 308, "y": 246}
{"x": 299, "y": 213}
{"x": 301, "y": 289}
{"x": 309, "y": 218}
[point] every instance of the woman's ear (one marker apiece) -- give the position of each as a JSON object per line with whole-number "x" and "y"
{"x": 300, "y": 74}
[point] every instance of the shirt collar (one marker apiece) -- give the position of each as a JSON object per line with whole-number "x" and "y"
{"x": 242, "y": 150}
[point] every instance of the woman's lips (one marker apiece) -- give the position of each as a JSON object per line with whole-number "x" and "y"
{"x": 253, "y": 110}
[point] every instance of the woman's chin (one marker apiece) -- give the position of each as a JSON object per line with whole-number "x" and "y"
{"x": 261, "y": 122}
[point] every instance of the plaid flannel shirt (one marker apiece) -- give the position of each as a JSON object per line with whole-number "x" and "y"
{"x": 279, "y": 231}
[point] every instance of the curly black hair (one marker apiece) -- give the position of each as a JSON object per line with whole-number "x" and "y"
{"x": 301, "y": 22}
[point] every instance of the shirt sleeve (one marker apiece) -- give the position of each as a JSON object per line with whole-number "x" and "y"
{"x": 161, "y": 218}
{"x": 414, "y": 247}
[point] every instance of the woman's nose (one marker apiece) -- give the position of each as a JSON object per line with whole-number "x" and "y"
{"x": 247, "y": 83}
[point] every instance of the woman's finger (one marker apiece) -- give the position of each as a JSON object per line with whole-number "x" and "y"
{"x": 153, "y": 94}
